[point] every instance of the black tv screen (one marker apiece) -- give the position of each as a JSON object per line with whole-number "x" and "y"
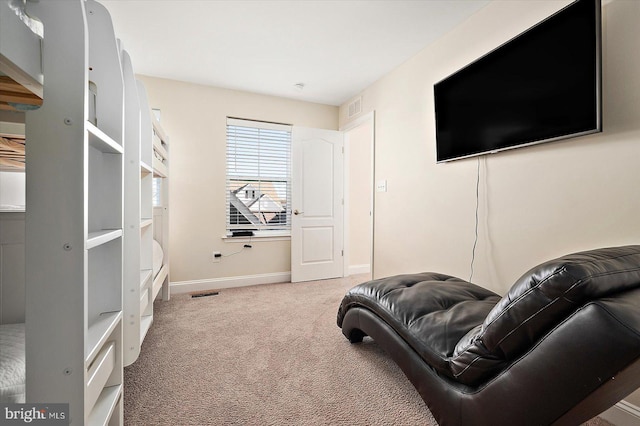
{"x": 543, "y": 85}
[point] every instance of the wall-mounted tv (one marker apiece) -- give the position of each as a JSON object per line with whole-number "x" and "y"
{"x": 542, "y": 85}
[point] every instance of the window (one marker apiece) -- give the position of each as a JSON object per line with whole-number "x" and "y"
{"x": 156, "y": 191}
{"x": 258, "y": 176}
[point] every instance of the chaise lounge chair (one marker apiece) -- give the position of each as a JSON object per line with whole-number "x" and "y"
{"x": 561, "y": 347}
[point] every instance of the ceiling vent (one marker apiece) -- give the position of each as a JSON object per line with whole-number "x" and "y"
{"x": 355, "y": 107}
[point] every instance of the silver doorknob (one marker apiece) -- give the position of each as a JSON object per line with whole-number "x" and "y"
{"x": 296, "y": 212}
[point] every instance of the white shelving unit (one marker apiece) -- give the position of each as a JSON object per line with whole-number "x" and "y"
{"x": 133, "y": 334}
{"x": 146, "y": 216}
{"x": 138, "y": 296}
{"x": 74, "y": 219}
{"x": 160, "y": 161}
{"x": 141, "y": 285}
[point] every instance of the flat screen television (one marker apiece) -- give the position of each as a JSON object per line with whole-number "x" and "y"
{"x": 542, "y": 85}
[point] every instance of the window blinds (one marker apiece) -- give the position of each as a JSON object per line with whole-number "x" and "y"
{"x": 258, "y": 175}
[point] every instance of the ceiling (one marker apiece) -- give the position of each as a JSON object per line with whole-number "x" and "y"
{"x": 334, "y": 48}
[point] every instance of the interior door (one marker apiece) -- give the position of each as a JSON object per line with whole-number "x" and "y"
{"x": 317, "y": 203}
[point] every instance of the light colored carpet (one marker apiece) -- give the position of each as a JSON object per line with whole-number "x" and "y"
{"x": 266, "y": 355}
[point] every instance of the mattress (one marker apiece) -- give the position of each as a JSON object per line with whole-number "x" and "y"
{"x": 12, "y": 364}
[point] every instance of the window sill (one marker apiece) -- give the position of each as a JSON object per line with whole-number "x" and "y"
{"x": 261, "y": 236}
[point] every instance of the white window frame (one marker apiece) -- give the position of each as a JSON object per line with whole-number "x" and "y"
{"x": 275, "y": 138}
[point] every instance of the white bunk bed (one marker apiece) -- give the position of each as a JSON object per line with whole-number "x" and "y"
{"x": 146, "y": 268}
{"x": 21, "y": 78}
{"x": 160, "y": 161}
{"x": 73, "y": 293}
{"x": 160, "y": 252}
{"x": 21, "y": 88}
{"x": 75, "y": 177}
{"x": 72, "y": 289}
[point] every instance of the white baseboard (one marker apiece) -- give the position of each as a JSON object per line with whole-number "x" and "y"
{"x": 622, "y": 414}
{"x": 359, "y": 269}
{"x": 178, "y": 287}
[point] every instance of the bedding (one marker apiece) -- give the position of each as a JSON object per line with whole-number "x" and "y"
{"x": 158, "y": 257}
{"x": 12, "y": 363}
{"x": 11, "y": 208}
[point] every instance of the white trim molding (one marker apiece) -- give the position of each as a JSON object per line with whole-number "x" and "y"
{"x": 356, "y": 122}
{"x": 359, "y": 269}
{"x": 622, "y": 414}
{"x": 229, "y": 282}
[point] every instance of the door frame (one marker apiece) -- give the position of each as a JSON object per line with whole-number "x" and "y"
{"x": 363, "y": 119}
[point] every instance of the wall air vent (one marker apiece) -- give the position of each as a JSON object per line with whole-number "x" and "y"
{"x": 355, "y": 107}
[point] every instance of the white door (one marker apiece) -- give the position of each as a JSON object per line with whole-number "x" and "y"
{"x": 317, "y": 204}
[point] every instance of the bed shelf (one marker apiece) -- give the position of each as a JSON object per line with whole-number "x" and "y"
{"x": 158, "y": 131}
{"x": 145, "y": 325}
{"x": 160, "y": 151}
{"x": 159, "y": 148}
{"x": 159, "y": 169}
{"x": 144, "y": 301}
{"x": 145, "y": 277}
{"x": 101, "y": 141}
{"x": 99, "y": 333}
{"x": 99, "y": 372}
{"x": 145, "y": 169}
{"x": 159, "y": 280}
{"x": 106, "y": 406}
{"x": 98, "y": 238}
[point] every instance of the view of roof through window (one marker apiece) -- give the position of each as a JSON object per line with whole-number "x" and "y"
{"x": 258, "y": 175}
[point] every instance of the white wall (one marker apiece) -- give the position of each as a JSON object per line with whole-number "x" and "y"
{"x": 12, "y": 189}
{"x": 536, "y": 203}
{"x": 194, "y": 117}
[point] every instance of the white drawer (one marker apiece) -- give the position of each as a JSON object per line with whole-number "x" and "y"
{"x": 99, "y": 373}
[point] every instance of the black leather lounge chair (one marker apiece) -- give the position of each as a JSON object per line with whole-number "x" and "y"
{"x": 561, "y": 347}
